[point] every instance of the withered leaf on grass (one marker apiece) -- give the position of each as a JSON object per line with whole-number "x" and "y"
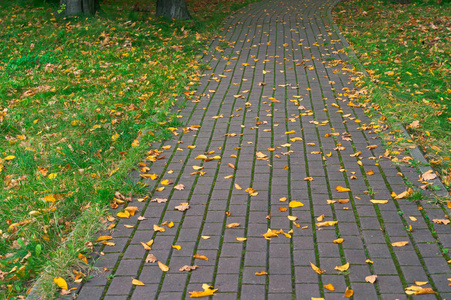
{"x": 60, "y": 282}
{"x": 151, "y": 258}
{"x": 188, "y": 268}
{"x": 428, "y": 175}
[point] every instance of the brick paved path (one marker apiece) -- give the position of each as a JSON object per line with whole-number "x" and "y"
{"x": 269, "y": 107}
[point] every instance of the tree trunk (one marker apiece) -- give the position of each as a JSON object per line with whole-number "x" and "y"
{"x": 173, "y": 9}
{"x": 79, "y": 7}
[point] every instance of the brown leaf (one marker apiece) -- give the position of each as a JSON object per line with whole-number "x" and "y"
{"x": 231, "y": 165}
{"x": 179, "y": 187}
{"x": 151, "y": 258}
{"x": 428, "y": 175}
{"x": 182, "y": 207}
{"x": 441, "y": 221}
{"x": 371, "y": 278}
{"x": 159, "y": 200}
{"x": 188, "y": 268}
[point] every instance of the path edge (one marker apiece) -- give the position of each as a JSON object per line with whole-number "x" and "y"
{"x": 414, "y": 152}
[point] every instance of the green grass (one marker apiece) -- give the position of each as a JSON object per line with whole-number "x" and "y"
{"x": 75, "y": 94}
{"x": 406, "y": 50}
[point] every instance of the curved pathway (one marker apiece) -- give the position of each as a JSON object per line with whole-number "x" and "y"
{"x": 270, "y": 134}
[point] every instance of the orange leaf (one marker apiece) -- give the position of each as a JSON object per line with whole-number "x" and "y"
{"x": 163, "y": 267}
{"x": 349, "y": 293}
{"x": 317, "y": 270}
{"x": 137, "y": 282}
{"x": 329, "y": 287}
{"x": 232, "y": 225}
{"x": 371, "y": 278}
{"x": 342, "y": 268}
{"x": 261, "y": 273}
{"x": 199, "y": 256}
{"x": 341, "y": 189}
{"x": 399, "y": 244}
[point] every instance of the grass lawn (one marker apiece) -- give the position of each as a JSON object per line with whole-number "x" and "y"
{"x": 406, "y": 49}
{"x": 75, "y": 94}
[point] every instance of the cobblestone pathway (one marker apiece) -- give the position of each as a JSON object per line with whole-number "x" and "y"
{"x": 270, "y": 134}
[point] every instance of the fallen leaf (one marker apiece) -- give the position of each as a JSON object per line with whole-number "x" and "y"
{"x": 232, "y": 225}
{"x": 261, "y": 273}
{"x": 379, "y": 201}
{"x": 145, "y": 246}
{"x": 329, "y": 287}
{"x": 131, "y": 210}
{"x": 158, "y": 228}
{"x": 317, "y": 270}
{"x": 294, "y": 204}
{"x": 348, "y": 293}
{"x": 182, "y": 207}
{"x": 371, "y": 278}
{"x": 238, "y": 187}
{"x": 420, "y": 282}
{"x": 412, "y": 219}
{"x": 418, "y": 290}
{"x": 429, "y": 175}
{"x": 159, "y": 200}
{"x": 104, "y": 238}
{"x": 151, "y": 258}
{"x": 178, "y": 247}
{"x": 166, "y": 182}
{"x": 241, "y": 239}
{"x": 441, "y": 221}
{"x": 179, "y": 187}
{"x": 208, "y": 291}
{"x": 163, "y": 267}
{"x": 342, "y": 268}
{"x": 404, "y": 194}
{"x": 370, "y": 172}
{"x": 187, "y": 268}
{"x": 338, "y": 241}
{"x": 124, "y": 215}
{"x": 199, "y": 256}
{"x": 231, "y": 165}
{"x": 60, "y": 282}
{"x": 326, "y": 223}
{"x": 399, "y": 244}
{"x": 292, "y": 218}
{"x": 283, "y": 199}
{"x": 320, "y": 218}
{"x": 341, "y": 189}
{"x": 369, "y": 261}
{"x": 137, "y": 282}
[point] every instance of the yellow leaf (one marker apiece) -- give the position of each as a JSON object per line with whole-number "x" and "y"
{"x": 145, "y": 246}
{"x": 371, "y": 278}
{"x": 418, "y": 290}
{"x": 201, "y": 156}
{"x": 241, "y": 239}
{"x": 326, "y": 223}
{"x": 153, "y": 176}
{"x": 329, "y": 287}
{"x": 158, "y": 228}
{"x": 52, "y": 175}
{"x": 317, "y": 270}
{"x": 342, "y": 268}
{"x": 166, "y": 182}
{"x": 60, "y": 282}
{"x": 197, "y": 168}
{"x": 10, "y": 157}
{"x": 292, "y": 218}
{"x": 199, "y": 256}
{"x": 348, "y": 293}
{"x": 412, "y": 218}
{"x": 178, "y": 247}
{"x": 237, "y": 186}
{"x": 338, "y": 241}
{"x": 290, "y": 132}
{"x": 370, "y": 172}
{"x": 320, "y": 218}
{"x": 170, "y": 224}
{"x": 114, "y": 137}
{"x": 205, "y": 237}
{"x": 104, "y": 238}
{"x": 379, "y": 201}
{"x": 283, "y": 199}
{"x": 137, "y": 282}
{"x": 295, "y": 204}
{"x": 261, "y": 273}
{"x": 49, "y": 198}
{"x": 124, "y": 214}
{"x": 232, "y": 225}
{"x": 420, "y": 282}
{"x": 369, "y": 261}
{"x": 204, "y": 293}
{"x": 163, "y": 267}
{"x": 131, "y": 210}
{"x": 341, "y": 189}
{"x": 399, "y": 244}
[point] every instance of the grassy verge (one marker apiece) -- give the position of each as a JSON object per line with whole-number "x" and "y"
{"x": 74, "y": 96}
{"x": 406, "y": 50}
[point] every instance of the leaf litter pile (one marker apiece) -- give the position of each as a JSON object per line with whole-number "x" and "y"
{"x": 270, "y": 163}
{"x": 75, "y": 96}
